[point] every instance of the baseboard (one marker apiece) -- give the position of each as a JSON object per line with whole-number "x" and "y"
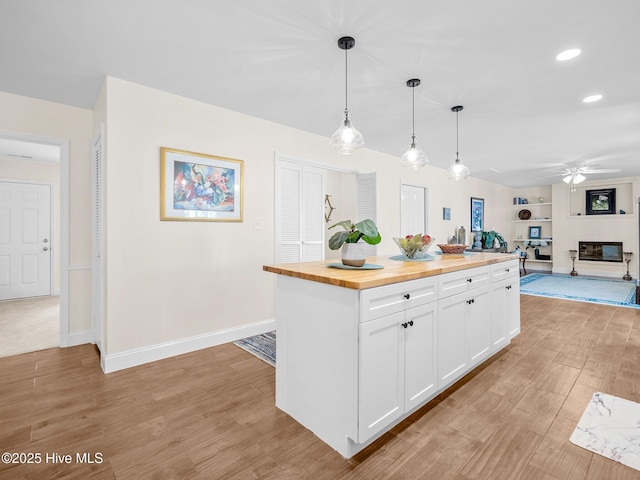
{"x": 79, "y": 338}
{"x": 152, "y": 353}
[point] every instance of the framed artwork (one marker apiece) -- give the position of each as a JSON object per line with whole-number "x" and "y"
{"x": 477, "y": 214}
{"x": 446, "y": 213}
{"x": 200, "y": 187}
{"x": 601, "y": 202}
{"x": 535, "y": 232}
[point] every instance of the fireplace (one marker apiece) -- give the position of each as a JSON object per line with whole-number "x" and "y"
{"x": 600, "y": 251}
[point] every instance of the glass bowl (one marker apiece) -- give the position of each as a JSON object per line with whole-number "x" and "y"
{"x": 415, "y": 247}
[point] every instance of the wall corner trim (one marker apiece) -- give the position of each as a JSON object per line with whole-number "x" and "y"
{"x": 152, "y": 353}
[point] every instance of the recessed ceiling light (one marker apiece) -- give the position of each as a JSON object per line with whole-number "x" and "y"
{"x": 592, "y": 98}
{"x": 568, "y": 54}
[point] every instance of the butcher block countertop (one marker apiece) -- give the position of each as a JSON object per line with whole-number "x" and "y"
{"x": 394, "y": 271}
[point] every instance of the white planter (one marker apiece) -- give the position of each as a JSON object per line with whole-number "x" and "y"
{"x": 353, "y": 255}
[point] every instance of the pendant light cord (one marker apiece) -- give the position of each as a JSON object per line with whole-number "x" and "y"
{"x": 346, "y": 84}
{"x": 457, "y": 136}
{"x": 413, "y": 116}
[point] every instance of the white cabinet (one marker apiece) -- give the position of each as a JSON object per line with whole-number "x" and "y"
{"x": 397, "y": 363}
{"x": 505, "y": 314}
{"x": 463, "y": 333}
{"x": 505, "y": 303}
{"x": 352, "y": 363}
{"x": 512, "y": 306}
{"x": 462, "y": 281}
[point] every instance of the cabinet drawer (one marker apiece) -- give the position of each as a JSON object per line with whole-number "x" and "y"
{"x": 502, "y": 270}
{"x": 462, "y": 281}
{"x": 380, "y": 301}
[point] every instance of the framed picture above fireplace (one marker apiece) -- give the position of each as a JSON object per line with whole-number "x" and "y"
{"x": 601, "y": 202}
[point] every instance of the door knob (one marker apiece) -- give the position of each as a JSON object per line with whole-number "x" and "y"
{"x": 45, "y": 240}
{"x": 45, "y": 249}
{"x": 404, "y": 325}
{"x": 407, "y": 296}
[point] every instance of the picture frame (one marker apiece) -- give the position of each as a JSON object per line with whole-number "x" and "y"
{"x": 601, "y": 202}
{"x": 477, "y": 214}
{"x": 446, "y": 213}
{"x": 535, "y": 232}
{"x": 200, "y": 187}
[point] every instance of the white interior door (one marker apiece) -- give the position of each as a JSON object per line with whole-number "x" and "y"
{"x": 413, "y": 216}
{"x": 25, "y": 240}
{"x": 299, "y": 212}
{"x": 367, "y": 204}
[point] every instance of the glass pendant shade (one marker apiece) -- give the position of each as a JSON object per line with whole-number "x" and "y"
{"x": 414, "y": 158}
{"x": 347, "y": 139}
{"x": 458, "y": 171}
{"x": 574, "y": 178}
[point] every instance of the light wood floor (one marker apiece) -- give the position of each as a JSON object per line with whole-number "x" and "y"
{"x": 211, "y": 415}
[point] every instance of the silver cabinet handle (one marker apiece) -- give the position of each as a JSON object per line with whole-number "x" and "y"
{"x": 45, "y": 249}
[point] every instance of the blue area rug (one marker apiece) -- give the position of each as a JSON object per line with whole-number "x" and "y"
{"x": 262, "y": 346}
{"x": 585, "y": 289}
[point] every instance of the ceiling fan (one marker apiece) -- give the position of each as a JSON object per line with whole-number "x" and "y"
{"x": 575, "y": 175}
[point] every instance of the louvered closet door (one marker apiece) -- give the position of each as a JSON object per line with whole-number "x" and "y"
{"x": 299, "y": 212}
{"x": 97, "y": 270}
{"x": 367, "y": 205}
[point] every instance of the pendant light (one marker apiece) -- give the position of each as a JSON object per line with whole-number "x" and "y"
{"x": 347, "y": 139}
{"x": 413, "y": 158}
{"x": 457, "y": 171}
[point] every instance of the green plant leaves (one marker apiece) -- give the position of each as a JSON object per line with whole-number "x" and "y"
{"x": 365, "y": 230}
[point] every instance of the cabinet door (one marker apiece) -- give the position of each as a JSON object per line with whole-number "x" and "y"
{"x": 381, "y": 379}
{"x": 498, "y": 316}
{"x": 452, "y": 361}
{"x": 512, "y": 307}
{"x": 478, "y": 325}
{"x": 421, "y": 379}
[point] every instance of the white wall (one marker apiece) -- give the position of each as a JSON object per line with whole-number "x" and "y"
{"x": 47, "y": 119}
{"x": 170, "y": 281}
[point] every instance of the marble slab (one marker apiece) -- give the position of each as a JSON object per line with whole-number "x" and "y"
{"x": 610, "y": 426}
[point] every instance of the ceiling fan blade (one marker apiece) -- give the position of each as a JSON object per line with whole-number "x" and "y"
{"x": 600, "y": 170}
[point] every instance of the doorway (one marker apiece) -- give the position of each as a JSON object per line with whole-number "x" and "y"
{"x": 26, "y": 158}
{"x": 25, "y": 240}
{"x": 413, "y": 209}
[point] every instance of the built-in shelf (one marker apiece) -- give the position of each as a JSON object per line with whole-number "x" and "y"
{"x": 525, "y": 205}
{"x": 533, "y": 220}
{"x": 548, "y": 240}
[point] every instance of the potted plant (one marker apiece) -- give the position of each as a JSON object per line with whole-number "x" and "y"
{"x": 352, "y": 253}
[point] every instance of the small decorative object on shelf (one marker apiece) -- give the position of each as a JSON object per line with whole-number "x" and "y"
{"x": 462, "y": 235}
{"x": 524, "y": 214}
{"x": 477, "y": 244}
{"x": 573, "y": 253}
{"x": 414, "y": 246}
{"x": 627, "y": 258}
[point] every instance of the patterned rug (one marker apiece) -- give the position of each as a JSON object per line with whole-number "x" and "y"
{"x": 610, "y": 426}
{"x": 585, "y": 289}
{"x": 262, "y": 346}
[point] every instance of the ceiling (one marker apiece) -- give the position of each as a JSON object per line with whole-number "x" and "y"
{"x": 523, "y": 119}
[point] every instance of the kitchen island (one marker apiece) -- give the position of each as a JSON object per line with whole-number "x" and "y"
{"x": 360, "y": 350}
